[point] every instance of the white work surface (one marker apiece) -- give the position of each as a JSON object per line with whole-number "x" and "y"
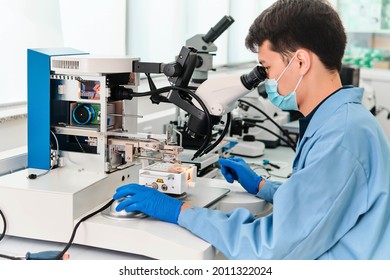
{"x": 16, "y": 246}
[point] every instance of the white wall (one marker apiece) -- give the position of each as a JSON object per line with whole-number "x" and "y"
{"x": 13, "y": 131}
{"x": 238, "y": 30}
{"x": 164, "y": 18}
{"x": 24, "y": 24}
{"x": 94, "y": 26}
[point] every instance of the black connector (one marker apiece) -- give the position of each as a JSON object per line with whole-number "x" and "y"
{"x": 121, "y": 93}
{"x": 32, "y": 176}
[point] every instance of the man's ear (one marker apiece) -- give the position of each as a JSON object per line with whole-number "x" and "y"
{"x": 304, "y": 59}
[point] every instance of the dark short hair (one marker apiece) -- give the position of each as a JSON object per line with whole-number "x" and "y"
{"x": 293, "y": 24}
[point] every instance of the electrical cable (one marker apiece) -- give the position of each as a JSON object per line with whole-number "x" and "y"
{"x": 226, "y": 129}
{"x": 34, "y": 176}
{"x": 156, "y": 91}
{"x": 61, "y": 254}
{"x": 267, "y": 170}
{"x": 57, "y": 145}
{"x": 208, "y": 118}
{"x": 48, "y": 255}
{"x": 78, "y": 142}
{"x": 4, "y": 225}
{"x": 10, "y": 257}
{"x": 197, "y": 98}
{"x": 273, "y": 133}
{"x": 192, "y": 87}
{"x": 269, "y": 118}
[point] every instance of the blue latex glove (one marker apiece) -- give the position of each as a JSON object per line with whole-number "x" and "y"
{"x": 237, "y": 169}
{"x": 148, "y": 201}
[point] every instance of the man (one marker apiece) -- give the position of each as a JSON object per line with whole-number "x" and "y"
{"x": 336, "y": 204}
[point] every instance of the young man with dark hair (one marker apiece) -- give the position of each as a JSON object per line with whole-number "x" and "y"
{"x": 336, "y": 204}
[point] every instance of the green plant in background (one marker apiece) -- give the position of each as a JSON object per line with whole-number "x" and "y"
{"x": 364, "y": 57}
{"x": 385, "y": 14}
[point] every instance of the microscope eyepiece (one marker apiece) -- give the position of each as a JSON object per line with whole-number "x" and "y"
{"x": 254, "y": 77}
{"x": 218, "y": 29}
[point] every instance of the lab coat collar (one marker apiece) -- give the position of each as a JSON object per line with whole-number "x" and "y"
{"x": 330, "y": 106}
{"x": 325, "y": 110}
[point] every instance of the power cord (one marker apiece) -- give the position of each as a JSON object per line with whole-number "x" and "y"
{"x": 63, "y": 252}
{"x": 273, "y": 133}
{"x": 225, "y": 130}
{"x": 285, "y": 133}
{"x": 52, "y": 255}
{"x": 34, "y": 175}
{"x": 268, "y": 170}
{"x": 4, "y": 225}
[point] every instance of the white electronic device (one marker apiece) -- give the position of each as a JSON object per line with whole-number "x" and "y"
{"x": 91, "y": 64}
{"x": 168, "y": 178}
{"x": 248, "y": 149}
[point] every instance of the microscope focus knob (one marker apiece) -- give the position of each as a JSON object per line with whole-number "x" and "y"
{"x": 172, "y": 69}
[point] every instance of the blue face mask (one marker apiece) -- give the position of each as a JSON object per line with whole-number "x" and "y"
{"x": 287, "y": 102}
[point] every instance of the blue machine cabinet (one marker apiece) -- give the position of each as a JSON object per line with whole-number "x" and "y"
{"x": 38, "y": 104}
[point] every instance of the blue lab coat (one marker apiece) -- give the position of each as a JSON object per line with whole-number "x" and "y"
{"x": 336, "y": 204}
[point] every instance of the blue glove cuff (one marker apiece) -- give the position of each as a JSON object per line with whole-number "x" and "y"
{"x": 255, "y": 189}
{"x": 171, "y": 210}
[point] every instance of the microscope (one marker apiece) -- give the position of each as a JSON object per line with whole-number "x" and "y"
{"x": 204, "y": 43}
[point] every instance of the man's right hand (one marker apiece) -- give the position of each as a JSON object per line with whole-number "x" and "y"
{"x": 237, "y": 169}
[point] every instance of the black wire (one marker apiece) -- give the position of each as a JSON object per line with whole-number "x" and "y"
{"x": 269, "y": 118}
{"x": 192, "y": 87}
{"x": 225, "y": 130}
{"x": 5, "y": 225}
{"x": 3, "y": 235}
{"x": 9, "y": 257}
{"x": 157, "y": 91}
{"x": 273, "y": 133}
{"x": 262, "y": 167}
{"x": 207, "y": 114}
{"x": 197, "y": 98}
{"x": 61, "y": 254}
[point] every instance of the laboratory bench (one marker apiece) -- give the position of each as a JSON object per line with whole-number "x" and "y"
{"x": 281, "y": 156}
